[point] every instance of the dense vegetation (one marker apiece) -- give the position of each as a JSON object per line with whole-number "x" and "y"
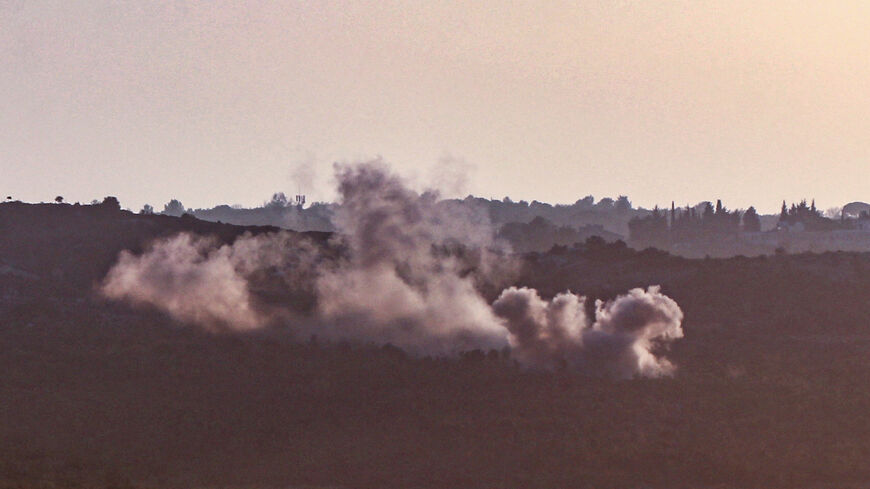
{"x": 699, "y": 231}
{"x": 773, "y": 386}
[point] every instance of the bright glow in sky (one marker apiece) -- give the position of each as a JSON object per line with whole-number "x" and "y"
{"x": 218, "y": 101}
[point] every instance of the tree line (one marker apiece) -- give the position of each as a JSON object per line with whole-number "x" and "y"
{"x": 662, "y": 228}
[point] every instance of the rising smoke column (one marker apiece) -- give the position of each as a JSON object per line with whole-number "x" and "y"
{"x": 409, "y": 272}
{"x": 620, "y": 341}
{"x": 393, "y": 285}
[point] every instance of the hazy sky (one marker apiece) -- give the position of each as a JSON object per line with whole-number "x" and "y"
{"x": 218, "y": 102}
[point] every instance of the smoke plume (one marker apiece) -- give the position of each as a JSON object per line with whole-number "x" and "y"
{"x": 620, "y": 341}
{"x": 197, "y": 281}
{"x": 405, "y": 268}
{"x": 394, "y": 285}
{"x": 182, "y": 276}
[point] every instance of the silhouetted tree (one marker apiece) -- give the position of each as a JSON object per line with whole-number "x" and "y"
{"x": 809, "y": 217}
{"x": 173, "y": 208}
{"x": 585, "y": 202}
{"x": 623, "y": 204}
{"x": 111, "y": 204}
{"x": 751, "y": 221}
{"x": 708, "y": 213}
{"x": 58, "y": 199}
{"x": 147, "y": 209}
{"x": 605, "y": 203}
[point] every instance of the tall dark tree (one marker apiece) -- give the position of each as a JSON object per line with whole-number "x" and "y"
{"x": 708, "y": 213}
{"x": 751, "y": 221}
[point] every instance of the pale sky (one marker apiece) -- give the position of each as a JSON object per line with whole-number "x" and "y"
{"x": 219, "y": 101}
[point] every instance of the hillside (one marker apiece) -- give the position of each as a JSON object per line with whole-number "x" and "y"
{"x": 771, "y": 388}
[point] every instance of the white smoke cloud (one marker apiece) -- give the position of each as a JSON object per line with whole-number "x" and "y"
{"x": 404, "y": 268}
{"x": 188, "y": 278}
{"x": 197, "y": 281}
{"x": 393, "y": 285}
{"x": 621, "y": 341}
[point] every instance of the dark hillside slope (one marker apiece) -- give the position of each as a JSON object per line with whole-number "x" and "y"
{"x": 77, "y": 244}
{"x": 827, "y": 293}
{"x": 772, "y": 389}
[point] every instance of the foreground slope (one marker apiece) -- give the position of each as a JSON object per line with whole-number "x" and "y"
{"x": 771, "y": 388}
